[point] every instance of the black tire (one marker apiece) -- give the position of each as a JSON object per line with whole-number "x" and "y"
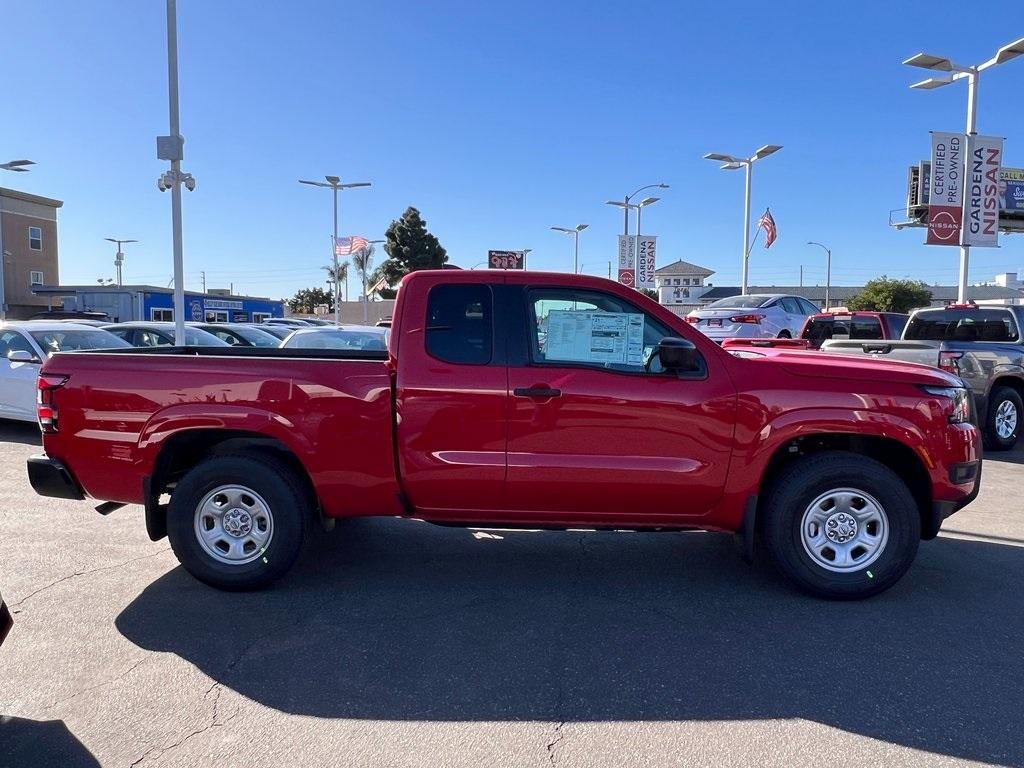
{"x": 1002, "y": 397}
{"x": 802, "y": 483}
{"x": 289, "y": 508}
{"x": 784, "y": 335}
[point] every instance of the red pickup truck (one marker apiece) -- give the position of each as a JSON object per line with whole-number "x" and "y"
{"x": 516, "y": 399}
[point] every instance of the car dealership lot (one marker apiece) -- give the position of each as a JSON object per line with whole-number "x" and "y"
{"x": 399, "y": 643}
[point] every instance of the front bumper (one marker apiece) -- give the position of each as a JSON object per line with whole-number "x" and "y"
{"x": 942, "y": 509}
{"x": 51, "y": 478}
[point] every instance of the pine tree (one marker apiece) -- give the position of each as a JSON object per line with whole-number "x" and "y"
{"x": 410, "y": 247}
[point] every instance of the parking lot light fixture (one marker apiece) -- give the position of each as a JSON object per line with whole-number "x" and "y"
{"x": 733, "y": 163}
{"x": 931, "y": 62}
{"x": 18, "y": 166}
{"x": 575, "y": 232}
{"x": 119, "y": 257}
{"x": 828, "y": 270}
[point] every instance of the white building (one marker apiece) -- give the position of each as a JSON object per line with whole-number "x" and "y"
{"x": 681, "y": 283}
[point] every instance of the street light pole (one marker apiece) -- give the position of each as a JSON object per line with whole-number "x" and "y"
{"x": 334, "y": 184}
{"x": 175, "y": 132}
{"x": 119, "y": 257}
{"x": 959, "y": 72}
{"x": 576, "y": 232}
{"x": 828, "y": 271}
{"x": 732, "y": 163}
{"x": 625, "y": 205}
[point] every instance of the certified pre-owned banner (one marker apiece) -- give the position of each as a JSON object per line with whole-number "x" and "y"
{"x": 627, "y": 261}
{"x": 981, "y": 204}
{"x": 945, "y": 208}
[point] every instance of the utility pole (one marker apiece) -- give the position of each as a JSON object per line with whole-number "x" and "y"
{"x": 801, "y": 275}
{"x": 204, "y": 281}
{"x": 119, "y": 257}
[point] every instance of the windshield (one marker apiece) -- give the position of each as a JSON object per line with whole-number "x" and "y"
{"x": 328, "y": 339}
{"x": 738, "y": 301}
{"x": 962, "y": 325}
{"x": 62, "y": 340}
{"x": 257, "y": 337}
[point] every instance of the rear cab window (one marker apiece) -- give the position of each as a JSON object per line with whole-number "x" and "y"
{"x": 821, "y": 329}
{"x": 460, "y": 324}
{"x": 963, "y": 325}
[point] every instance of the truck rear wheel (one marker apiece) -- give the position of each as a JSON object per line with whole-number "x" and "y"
{"x": 840, "y": 525}
{"x": 1003, "y": 420}
{"x": 238, "y": 522}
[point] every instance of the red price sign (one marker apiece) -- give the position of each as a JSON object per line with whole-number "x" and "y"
{"x": 506, "y": 260}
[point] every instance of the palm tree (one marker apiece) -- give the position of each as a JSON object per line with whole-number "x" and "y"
{"x": 341, "y": 279}
{"x": 363, "y": 262}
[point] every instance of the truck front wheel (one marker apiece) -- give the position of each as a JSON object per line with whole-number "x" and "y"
{"x": 840, "y": 525}
{"x": 1002, "y": 422}
{"x": 238, "y": 522}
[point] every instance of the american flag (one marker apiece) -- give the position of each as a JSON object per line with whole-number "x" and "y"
{"x": 346, "y": 246}
{"x": 767, "y": 223}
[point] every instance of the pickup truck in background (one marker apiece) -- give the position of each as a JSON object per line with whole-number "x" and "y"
{"x": 981, "y": 345}
{"x": 852, "y": 326}
{"x": 516, "y": 399}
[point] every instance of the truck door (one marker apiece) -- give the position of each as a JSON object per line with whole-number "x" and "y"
{"x": 451, "y": 397}
{"x": 597, "y": 431}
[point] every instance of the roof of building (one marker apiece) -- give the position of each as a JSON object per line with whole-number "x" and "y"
{"x": 16, "y": 195}
{"x": 680, "y": 267}
{"x": 63, "y": 289}
{"x": 839, "y": 293}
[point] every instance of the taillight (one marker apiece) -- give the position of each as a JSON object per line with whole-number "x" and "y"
{"x": 950, "y": 362}
{"x": 691, "y": 320}
{"x": 46, "y": 410}
{"x": 746, "y": 319}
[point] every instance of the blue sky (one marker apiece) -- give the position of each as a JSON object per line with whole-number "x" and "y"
{"x": 497, "y": 121}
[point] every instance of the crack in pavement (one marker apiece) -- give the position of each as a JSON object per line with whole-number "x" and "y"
{"x": 158, "y": 752}
{"x": 87, "y": 572}
{"x": 556, "y": 739}
{"x": 91, "y": 688}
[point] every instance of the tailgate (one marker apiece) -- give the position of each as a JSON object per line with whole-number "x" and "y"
{"x": 923, "y": 352}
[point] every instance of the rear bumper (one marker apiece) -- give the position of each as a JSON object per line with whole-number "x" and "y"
{"x": 51, "y": 478}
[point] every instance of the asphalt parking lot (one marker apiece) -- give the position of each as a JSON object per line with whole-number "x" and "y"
{"x": 396, "y": 643}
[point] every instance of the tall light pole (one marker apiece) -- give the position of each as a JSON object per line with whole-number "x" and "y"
{"x": 526, "y": 252}
{"x": 575, "y": 232}
{"x": 959, "y": 72}
{"x": 334, "y": 184}
{"x": 731, "y": 164}
{"x": 172, "y": 148}
{"x": 119, "y": 258}
{"x": 625, "y": 205}
{"x": 828, "y": 270}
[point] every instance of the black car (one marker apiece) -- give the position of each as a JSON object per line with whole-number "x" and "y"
{"x": 242, "y": 335}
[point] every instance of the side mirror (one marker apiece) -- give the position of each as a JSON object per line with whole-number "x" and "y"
{"x": 21, "y": 356}
{"x": 680, "y": 357}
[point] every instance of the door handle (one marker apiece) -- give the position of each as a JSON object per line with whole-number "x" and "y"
{"x": 541, "y": 392}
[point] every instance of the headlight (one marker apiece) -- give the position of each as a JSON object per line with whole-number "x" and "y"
{"x": 960, "y": 400}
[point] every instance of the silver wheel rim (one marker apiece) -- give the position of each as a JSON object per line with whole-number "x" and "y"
{"x": 1006, "y": 419}
{"x": 844, "y": 530}
{"x": 234, "y": 525}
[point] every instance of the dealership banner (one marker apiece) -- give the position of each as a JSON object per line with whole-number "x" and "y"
{"x": 627, "y": 261}
{"x": 506, "y": 260}
{"x": 945, "y": 185}
{"x": 646, "y": 261}
{"x": 981, "y": 203}
{"x": 1011, "y": 189}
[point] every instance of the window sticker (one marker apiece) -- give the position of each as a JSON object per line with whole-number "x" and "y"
{"x": 602, "y": 338}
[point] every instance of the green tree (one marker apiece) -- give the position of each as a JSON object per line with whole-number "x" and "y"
{"x": 884, "y": 294}
{"x": 342, "y": 277}
{"x": 306, "y": 300}
{"x": 410, "y": 247}
{"x": 363, "y": 263}
{"x": 650, "y": 293}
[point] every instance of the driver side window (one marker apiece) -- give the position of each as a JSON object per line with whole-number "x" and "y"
{"x": 592, "y": 329}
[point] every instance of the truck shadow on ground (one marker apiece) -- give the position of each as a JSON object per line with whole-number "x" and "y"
{"x": 24, "y": 432}
{"x": 397, "y": 620}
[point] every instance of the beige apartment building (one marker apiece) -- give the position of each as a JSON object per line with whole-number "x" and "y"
{"x": 28, "y": 244}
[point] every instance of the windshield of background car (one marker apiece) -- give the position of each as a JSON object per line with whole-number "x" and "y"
{"x": 963, "y": 325}
{"x": 66, "y": 340}
{"x": 257, "y": 337}
{"x": 737, "y": 302}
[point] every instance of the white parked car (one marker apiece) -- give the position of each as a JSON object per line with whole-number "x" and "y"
{"x": 349, "y": 337}
{"x": 24, "y": 346}
{"x": 754, "y": 316}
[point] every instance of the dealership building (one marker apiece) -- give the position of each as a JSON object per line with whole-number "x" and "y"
{"x": 122, "y": 303}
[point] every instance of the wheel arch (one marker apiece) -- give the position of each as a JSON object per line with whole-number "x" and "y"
{"x": 189, "y": 447}
{"x": 897, "y": 456}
